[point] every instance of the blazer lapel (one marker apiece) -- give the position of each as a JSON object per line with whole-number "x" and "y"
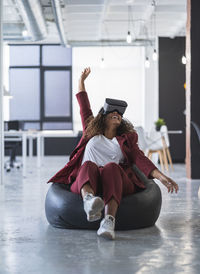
{"x": 122, "y": 140}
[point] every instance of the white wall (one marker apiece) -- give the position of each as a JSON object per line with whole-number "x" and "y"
{"x": 151, "y": 103}
{"x": 122, "y": 78}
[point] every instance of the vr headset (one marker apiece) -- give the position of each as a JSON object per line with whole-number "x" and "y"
{"x": 112, "y": 105}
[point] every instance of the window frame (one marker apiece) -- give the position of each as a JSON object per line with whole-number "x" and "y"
{"x": 42, "y": 110}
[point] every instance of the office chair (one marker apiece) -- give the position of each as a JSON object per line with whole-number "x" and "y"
{"x": 12, "y": 144}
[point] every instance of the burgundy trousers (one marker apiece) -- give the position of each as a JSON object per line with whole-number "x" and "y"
{"x": 109, "y": 181}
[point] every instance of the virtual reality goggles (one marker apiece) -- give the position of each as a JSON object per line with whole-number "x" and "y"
{"x": 112, "y": 105}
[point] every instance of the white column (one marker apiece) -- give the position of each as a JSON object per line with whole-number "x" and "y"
{"x": 1, "y": 97}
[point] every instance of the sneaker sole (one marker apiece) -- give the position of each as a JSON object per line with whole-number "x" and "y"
{"x": 95, "y": 213}
{"x": 106, "y": 235}
{"x": 93, "y": 218}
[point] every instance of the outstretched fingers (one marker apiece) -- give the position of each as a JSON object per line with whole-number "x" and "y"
{"x": 86, "y": 72}
{"x": 171, "y": 185}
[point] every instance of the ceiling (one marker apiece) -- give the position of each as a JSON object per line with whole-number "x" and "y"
{"x": 93, "y": 22}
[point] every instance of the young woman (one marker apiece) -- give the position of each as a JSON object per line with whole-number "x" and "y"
{"x": 101, "y": 163}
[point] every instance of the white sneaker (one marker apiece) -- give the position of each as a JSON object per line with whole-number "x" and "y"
{"x": 93, "y": 206}
{"x": 107, "y": 227}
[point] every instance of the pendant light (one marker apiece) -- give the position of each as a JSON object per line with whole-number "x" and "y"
{"x": 128, "y": 37}
{"x": 147, "y": 63}
{"x": 155, "y": 55}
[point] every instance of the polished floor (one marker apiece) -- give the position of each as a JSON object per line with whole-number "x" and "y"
{"x": 28, "y": 244}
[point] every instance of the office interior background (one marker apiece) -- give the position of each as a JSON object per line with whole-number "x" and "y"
{"x": 137, "y": 52}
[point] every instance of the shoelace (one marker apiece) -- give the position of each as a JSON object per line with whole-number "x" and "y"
{"x": 88, "y": 197}
{"x": 108, "y": 222}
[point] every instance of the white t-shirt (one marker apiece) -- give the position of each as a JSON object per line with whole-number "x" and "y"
{"x": 102, "y": 151}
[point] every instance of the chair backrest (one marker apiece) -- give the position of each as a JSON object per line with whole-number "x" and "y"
{"x": 141, "y": 138}
{"x": 164, "y": 132}
{"x": 197, "y": 129}
{"x": 13, "y": 125}
{"x": 155, "y": 136}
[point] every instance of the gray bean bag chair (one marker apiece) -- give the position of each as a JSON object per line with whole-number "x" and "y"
{"x": 64, "y": 209}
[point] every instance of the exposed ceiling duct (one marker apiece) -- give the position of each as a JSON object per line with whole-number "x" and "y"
{"x": 31, "y": 12}
{"x": 58, "y": 20}
{"x": 103, "y": 22}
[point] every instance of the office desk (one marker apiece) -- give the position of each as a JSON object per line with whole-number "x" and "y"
{"x": 50, "y": 134}
{"x": 23, "y": 136}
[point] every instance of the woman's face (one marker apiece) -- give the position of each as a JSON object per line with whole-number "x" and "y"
{"x": 113, "y": 119}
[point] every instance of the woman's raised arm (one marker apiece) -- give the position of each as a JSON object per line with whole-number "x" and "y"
{"x": 84, "y": 75}
{"x": 82, "y": 97}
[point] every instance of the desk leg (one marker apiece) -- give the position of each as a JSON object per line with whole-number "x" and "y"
{"x": 38, "y": 151}
{"x": 30, "y": 146}
{"x": 42, "y": 149}
{"x": 24, "y": 152}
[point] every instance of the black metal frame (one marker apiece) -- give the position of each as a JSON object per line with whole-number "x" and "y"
{"x": 42, "y": 70}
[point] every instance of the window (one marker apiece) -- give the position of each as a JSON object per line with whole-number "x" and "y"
{"x": 25, "y": 89}
{"x": 24, "y": 55}
{"x": 56, "y": 56}
{"x": 57, "y": 93}
{"x": 40, "y": 82}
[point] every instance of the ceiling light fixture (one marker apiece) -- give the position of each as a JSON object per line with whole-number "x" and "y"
{"x": 155, "y": 55}
{"x": 147, "y": 63}
{"x": 24, "y": 33}
{"x": 128, "y": 37}
{"x": 184, "y": 60}
{"x": 102, "y": 64}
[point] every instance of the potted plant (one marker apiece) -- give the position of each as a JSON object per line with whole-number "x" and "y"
{"x": 160, "y": 122}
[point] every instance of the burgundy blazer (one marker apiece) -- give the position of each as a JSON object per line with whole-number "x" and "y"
{"x": 128, "y": 145}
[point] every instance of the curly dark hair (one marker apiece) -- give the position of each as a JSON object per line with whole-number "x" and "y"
{"x": 96, "y": 126}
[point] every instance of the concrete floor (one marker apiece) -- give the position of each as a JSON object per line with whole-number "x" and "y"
{"x": 28, "y": 244}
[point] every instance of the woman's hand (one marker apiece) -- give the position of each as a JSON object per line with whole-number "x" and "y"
{"x": 166, "y": 181}
{"x": 170, "y": 184}
{"x": 84, "y": 75}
